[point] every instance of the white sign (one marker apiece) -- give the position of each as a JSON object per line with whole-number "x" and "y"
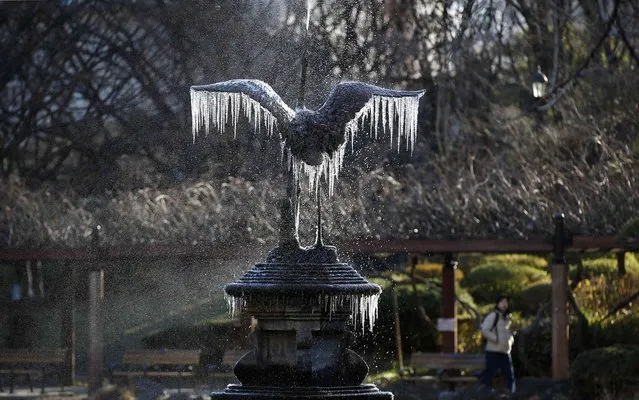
{"x": 446, "y": 324}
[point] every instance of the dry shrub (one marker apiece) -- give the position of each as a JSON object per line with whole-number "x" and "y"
{"x": 490, "y": 186}
{"x": 597, "y": 296}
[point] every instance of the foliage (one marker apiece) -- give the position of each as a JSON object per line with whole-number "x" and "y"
{"x": 434, "y": 270}
{"x": 516, "y": 260}
{"x": 623, "y": 329}
{"x": 630, "y": 230}
{"x": 469, "y": 338}
{"x": 538, "y": 347}
{"x": 487, "y": 281}
{"x": 417, "y": 334}
{"x": 611, "y": 370}
{"x": 475, "y": 137}
{"x": 606, "y": 265}
{"x": 530, "y": 298}
{"x": 596, "y": 296}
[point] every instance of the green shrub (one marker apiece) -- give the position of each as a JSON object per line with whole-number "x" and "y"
{"x": 623, "y": 330}
{"x": 487, "y": 281}
{"x": 537, "y": 347}
{"x": 533, "y": 296}
{"x": 511, "y": 260}
{"x": 434, "y": 270}
{"x": 611, "y": 371}
{"x": 606, "y": 265}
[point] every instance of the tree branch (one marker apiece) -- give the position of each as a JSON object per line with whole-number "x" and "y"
{"x": 554, "y": 96}
{"x": 625, "y": 40}
{"x": 621, "y": 305}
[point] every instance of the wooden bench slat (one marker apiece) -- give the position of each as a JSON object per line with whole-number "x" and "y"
{"x": 448, "y": 361}
{"x": 44, "y": 356}
{"x": 469, "y": 379}
{"x": 21, "y": 371}
{"x": 153, "y": 373}
{"x": 163, "y": 357}
{"x": 220, "y": 375}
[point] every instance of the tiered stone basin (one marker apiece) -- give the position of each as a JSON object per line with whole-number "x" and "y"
{"x": 304, "y": 314}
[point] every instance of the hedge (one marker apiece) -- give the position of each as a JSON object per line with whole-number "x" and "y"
{"x": 623, "y": 330}
{"x": 608, "y": 371}
{"x": 606, "y": 265}
{"x": 434, "y": 270}
{"x": 531, "y": 298}
{"x": 487, "y": 281}
{"x": 518, "y": 260}
{"x": 538, "y": 348}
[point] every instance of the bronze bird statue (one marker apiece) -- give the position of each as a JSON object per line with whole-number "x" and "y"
{"x": 310, "y": 136}
{"x": 315, "y": 141}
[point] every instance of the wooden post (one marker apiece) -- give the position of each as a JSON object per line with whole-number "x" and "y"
{"x": 398, "y": 331}
{"x": 560, "y": 334}
{"x": 621, "y": 263}
{"x": 96, "y": 297}
{"x": 68, "y": 326}
{"x": 447, "y": 324}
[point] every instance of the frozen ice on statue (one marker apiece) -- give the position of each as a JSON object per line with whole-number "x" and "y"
{"x": 314, "y": 141}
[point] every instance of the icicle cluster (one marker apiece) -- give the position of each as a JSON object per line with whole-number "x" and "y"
{"x": 329, "y": 169}
{"x": 215, "y": 108}
{"x": 363, "y": 307}
{"x": 395, "y": 115}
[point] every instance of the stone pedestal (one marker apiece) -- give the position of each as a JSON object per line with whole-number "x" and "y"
{"x": 304, "y": 314}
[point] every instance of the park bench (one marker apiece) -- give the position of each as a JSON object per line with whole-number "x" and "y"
{"x": 157, "y": 363}
{"x": 32, "y": 362}
{"x": 451, "y": 368}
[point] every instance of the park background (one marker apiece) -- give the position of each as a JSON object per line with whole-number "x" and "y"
{"x": 95, "y": 129}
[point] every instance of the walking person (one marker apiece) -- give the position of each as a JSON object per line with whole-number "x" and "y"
{"x": 499, "y": 341}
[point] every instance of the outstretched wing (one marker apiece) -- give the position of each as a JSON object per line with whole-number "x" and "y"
{"x": 212, "y": 105}
{"x": 351, "y": 103}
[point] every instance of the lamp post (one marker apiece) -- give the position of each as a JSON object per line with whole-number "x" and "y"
{"x": 539, "y": 83}
{"x": 539, "y": 86}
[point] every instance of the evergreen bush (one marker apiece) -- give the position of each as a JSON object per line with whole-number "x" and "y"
{"x": 487, "y": 281}
{"x": 533, "y": 296}
{"x": 610, "y": 371}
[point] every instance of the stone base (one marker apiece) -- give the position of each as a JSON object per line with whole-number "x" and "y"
{"x": 362, "y": 392}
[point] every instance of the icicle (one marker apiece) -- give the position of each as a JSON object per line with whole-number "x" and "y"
{"x": 216, "y": 109}
{"x": 235, "y": 304}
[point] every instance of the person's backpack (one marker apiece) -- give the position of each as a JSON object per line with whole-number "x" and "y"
{"x": 483, "y": 339}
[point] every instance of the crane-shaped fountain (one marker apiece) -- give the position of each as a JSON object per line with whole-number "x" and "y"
{"x": 304, "y": 300}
